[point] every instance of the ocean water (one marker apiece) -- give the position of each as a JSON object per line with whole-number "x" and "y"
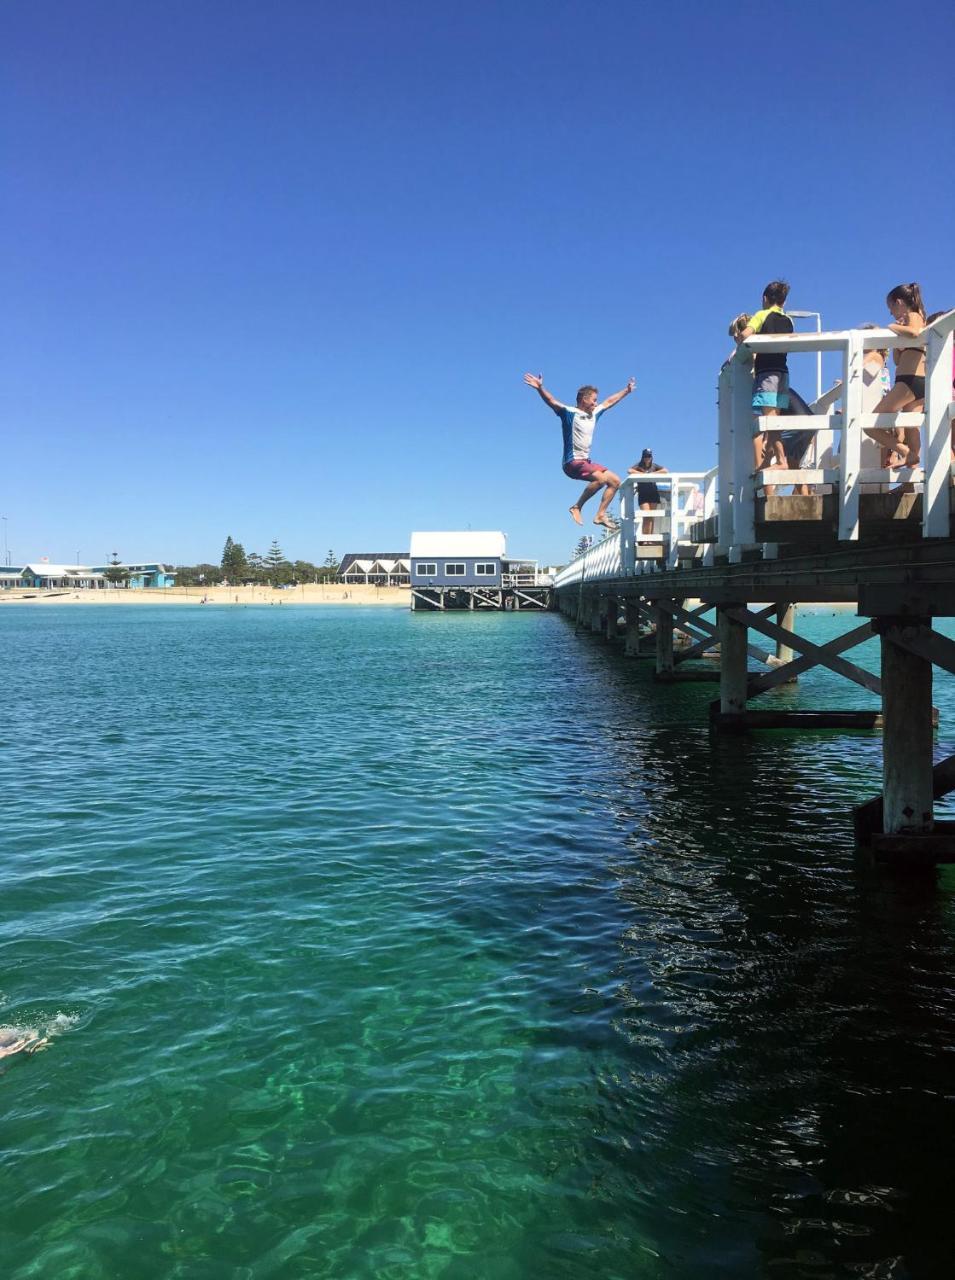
{"x": 371, "y": 944}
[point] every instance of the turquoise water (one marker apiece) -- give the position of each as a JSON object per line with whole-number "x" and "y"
{"x": 373, "y": 944}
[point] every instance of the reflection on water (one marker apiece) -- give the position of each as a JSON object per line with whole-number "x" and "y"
{"x": 421, "y": 946}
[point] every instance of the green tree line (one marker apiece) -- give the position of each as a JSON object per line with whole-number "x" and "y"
{"x": 238, "y": 568}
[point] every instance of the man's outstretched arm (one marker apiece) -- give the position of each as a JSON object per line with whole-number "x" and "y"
{"x": 615, "y": 399}
{"x": 537, "y": 382}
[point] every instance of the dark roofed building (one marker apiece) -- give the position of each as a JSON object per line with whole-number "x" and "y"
{"x": 376, "y": 568}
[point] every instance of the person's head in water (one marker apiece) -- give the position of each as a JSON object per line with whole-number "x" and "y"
{"x": 903, "y": 299}
{"x": 775, "y": 293}
{"x": 587, "y": 399}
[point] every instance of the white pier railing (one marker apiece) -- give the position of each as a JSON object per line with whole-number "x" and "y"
{"x": 686, "y": 497}
{"x": 840, "y": 466}
{"x": 838, "y": 424}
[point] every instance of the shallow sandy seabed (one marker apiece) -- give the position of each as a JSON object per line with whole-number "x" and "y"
{"x": 314, "y": 594}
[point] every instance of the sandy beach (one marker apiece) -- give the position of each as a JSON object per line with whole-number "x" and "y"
{"x": 315, "y": 593}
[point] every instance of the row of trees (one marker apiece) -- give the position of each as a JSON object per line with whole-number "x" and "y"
{"x": 272, "y": 569}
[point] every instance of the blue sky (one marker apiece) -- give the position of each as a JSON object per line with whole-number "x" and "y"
{"x": 276, "y": 270}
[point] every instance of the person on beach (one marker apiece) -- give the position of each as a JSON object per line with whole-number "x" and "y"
{"x": 578, "y": 424}
{"x": 648, "y": 495}
{"x": 908, "y": 394}
{"x": 770, "y": 375}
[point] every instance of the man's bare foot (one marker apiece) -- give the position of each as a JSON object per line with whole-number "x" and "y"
{"x": 603, "y": 518}
{"x": 575, "y": 512}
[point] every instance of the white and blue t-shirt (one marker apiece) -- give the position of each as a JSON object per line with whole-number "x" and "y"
{"x": 578, "y": 430}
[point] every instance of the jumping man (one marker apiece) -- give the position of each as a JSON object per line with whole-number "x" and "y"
{"x": 578, "y": 425}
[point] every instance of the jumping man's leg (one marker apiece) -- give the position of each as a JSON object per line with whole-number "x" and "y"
{"x": 589, "y": 492}
{"x": 612, "y": 483}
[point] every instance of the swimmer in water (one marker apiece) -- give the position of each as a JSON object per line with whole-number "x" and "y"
{"x": 20, "y": 1040}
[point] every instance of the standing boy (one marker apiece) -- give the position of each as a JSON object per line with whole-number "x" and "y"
{"x": 578, "y": 425}
{"x": 770, "y": 374}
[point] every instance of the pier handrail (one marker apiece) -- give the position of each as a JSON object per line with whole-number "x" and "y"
{"x": 621, "y": 553}
{"x": 737, "y": 509}
{"x": 729, "y": 488}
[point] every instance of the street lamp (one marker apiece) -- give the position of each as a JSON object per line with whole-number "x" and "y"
{"x": 813, "y": 315}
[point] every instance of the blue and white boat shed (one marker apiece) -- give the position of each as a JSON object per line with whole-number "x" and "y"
{"x": 453, "y": 559}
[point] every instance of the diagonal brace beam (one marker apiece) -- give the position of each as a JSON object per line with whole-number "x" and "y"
{"x": 927, "y": 644}
{"x": 761, "y": 683}
{"x": 821, "y": 655}
{"x": 680, "y": 615}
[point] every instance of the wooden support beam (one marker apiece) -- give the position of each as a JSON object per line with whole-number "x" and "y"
{"x": 868, "y": 818}
{"x": 907, "y": 732}
{"x": 631, "y": 618}
{"x": 611, "y": 618}
{"x": 786, "y": 619}
{"x": 732, "y": 637}
{"x": 664, "y": 645}
{"x": 596, "y": 615}
{"x": 823, "y": 654}
{"x": 926, "y": 643}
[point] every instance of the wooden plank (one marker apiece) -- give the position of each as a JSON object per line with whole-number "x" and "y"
{"x": 805, "y": 719}
{"x": 823, "y": 654}
{"x": 915, "y": 848}
{"x": 687, "y": 677}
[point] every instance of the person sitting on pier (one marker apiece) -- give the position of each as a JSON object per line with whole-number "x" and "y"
{"x": 578, "y": 424}
{"x": 908, "y": 393}
{"x": 648, "y": 495}
{"x": 770, "y": 376}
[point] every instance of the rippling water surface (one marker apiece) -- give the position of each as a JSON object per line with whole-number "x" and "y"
{"x": 373, "y": 944}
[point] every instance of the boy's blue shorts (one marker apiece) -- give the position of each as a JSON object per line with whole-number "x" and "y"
{"x": 770, "y": 391}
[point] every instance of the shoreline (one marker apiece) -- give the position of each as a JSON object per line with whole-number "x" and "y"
{"x": 313, "y": 593}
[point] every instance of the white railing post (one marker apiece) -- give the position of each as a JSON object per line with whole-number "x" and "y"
{"x": 851, "y": 456}
{"x": 628, "y": 545}
{"x": 670, "y": 546}
{"x": 724, "y": 460}
{"x": 744, "y": 486}
{"x": 938, "y": 435}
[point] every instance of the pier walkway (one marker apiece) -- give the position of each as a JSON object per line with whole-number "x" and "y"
{"x": 878, "y": 538}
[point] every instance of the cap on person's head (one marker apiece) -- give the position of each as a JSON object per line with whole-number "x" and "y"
{"x": 647, "y": 453}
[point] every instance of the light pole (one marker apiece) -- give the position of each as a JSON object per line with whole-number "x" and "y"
{"x": 813, "y": 315}
{"x": 6, "y": 552}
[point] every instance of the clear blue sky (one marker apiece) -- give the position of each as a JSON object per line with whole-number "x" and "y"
{"x": 275, "y": 270}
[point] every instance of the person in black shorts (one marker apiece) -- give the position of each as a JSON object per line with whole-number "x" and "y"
{"x": 648, "y": 495}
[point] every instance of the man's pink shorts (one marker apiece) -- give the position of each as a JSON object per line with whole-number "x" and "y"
{"x": 581, "y": 469}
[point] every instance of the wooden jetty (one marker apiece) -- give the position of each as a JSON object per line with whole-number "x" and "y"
{"x": 879, "y": 539}
{"x": 507, "y": 596}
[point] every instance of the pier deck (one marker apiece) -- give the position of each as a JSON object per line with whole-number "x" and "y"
{"x": 881, "y": 539}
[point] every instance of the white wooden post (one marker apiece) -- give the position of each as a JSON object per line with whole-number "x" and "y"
{"x": 851, "y": 456}
{"x": 725, "y": 461}
{"x": 937, "y": 438}
{"x": 744, "y": 487}
{"x": 670, "y": 549}
{"x": 628, "y": 548}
